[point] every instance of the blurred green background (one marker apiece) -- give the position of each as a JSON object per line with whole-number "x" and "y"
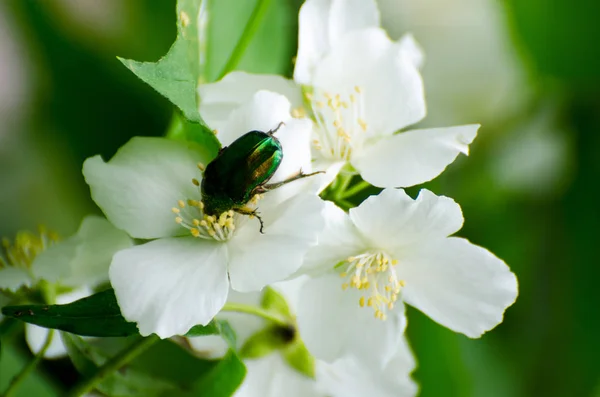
{"x": 528, "y": 71}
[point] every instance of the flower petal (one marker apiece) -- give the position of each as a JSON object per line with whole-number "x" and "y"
{"x": 270, "y": 376}
{"x": 391, "y": 88}
{"x": 331, "y": 168}
{"x": 333, "y": 324}
{"x": 219, "y": 99}
{"x": 411, "y": 49}
{"x": 167, "y": 286}
{"x": 322, "y": 23}
{"x": 458, "y": 284}
{"x": 263, "y": 112}
{"x": 349, "y": 376}
{"x": 339, "y": 240}
{"x": 295, "y": 143}
{"x": 393, "y": 219}
{"x": 12, "y": 278}
{"x": 138, "y": 187}
{"x": 210, "y": 347}
{"x": 291, "y": 227}
{"x": 82, "y": 259}
{"x": 35, "y": 337}
{"x": 413, "y": 157}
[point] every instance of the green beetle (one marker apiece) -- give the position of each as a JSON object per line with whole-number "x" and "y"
{"x": 242, "y": 170}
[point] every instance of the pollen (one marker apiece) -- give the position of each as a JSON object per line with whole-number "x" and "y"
{"x": 21, "y": 252}
{"x": 299, "y": 112}
{"x": 340, "y": 123}
{"x": 373, "y": 273}
{"x": 189, "y": 214}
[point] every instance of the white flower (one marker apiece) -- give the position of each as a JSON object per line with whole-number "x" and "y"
{"x": 389, "y": 250}
{"x": 182, "y": 278}
{"x": 473, "y": 71}
{"x": 272, "y": 376}
{"x": 79, "y": 263}
{"x": 351, "y": 377}
{"x": 361, "y": 88}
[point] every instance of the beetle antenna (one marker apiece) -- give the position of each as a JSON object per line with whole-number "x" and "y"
{"x": 271, "y": 132}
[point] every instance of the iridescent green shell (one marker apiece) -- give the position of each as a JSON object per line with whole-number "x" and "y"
{"x": 231, "y": 179}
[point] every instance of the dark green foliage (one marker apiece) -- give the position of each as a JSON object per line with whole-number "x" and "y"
{"x": 96, "y": 315}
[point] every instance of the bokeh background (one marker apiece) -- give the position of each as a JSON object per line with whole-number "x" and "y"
{"x": 527, "y": 70}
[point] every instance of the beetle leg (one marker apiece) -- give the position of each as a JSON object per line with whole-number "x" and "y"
{"x": 271, "y": 132}
{"x": 250, "y": 212}
{"x": 295, "y": 177}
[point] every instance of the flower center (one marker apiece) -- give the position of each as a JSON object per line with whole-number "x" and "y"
{"x": 190, "y": 214}
{"x": 341, "y": 127}
{"x": 25, "y": 248}
{"x": 375, "y": 275}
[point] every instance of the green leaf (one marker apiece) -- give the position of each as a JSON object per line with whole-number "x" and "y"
{"x": 215, "y": 327}
{"x": 182, "y": 129}
{"x": 275, "y": 302}
{"x": 96, "y": 315}
{"x": 127, "y": 382}
{"x": 177, "y": 74}
{"x": 223, "y": 380}
{"x": 299, "y": 358}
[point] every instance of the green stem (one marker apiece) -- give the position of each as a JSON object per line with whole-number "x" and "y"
{"x": 113, "y": 365}
{"x": 345, "y": 203}
{"x": 260, "y": 9}
{"x": 359, "y": 187}
{"x": 256, "y": 311}
{"x": 344, "y": 181}
{"x": 16, "y": 381}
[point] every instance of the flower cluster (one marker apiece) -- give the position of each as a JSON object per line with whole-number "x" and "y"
{"x": 248, "y": 226}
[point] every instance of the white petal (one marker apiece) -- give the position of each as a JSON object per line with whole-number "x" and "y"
{"x": 12, "y": 278}
{"x": 295, "y": 142}
{"x": 209, "y": 347}
{"x": 263, "y": 112}
{"x": 219, "y": 99}
{"x": 413, "y": 157}
{"x": 36, "y": 338}
{"x": 458, "y": 284}
{"x": 403, "y": 362}
{"x": 84, "y": 258}
{"x": 331, "y": 168}
{"x": 350, "y": 15}
{"x": 333, "y": 324}
{"x": 350, "y": 377}
{"x": 393, "y": 219}
{"x": 391, "y": 87}
{"x": 138, "y": 187}
{"x": 339, "y": 240}
{"x": 167, "y": 286}
{"x": 291, "y": 227}
{"x": 321, "y": 25}
{"x": 270, "y": 376}
{"x": 411, "y": 49}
